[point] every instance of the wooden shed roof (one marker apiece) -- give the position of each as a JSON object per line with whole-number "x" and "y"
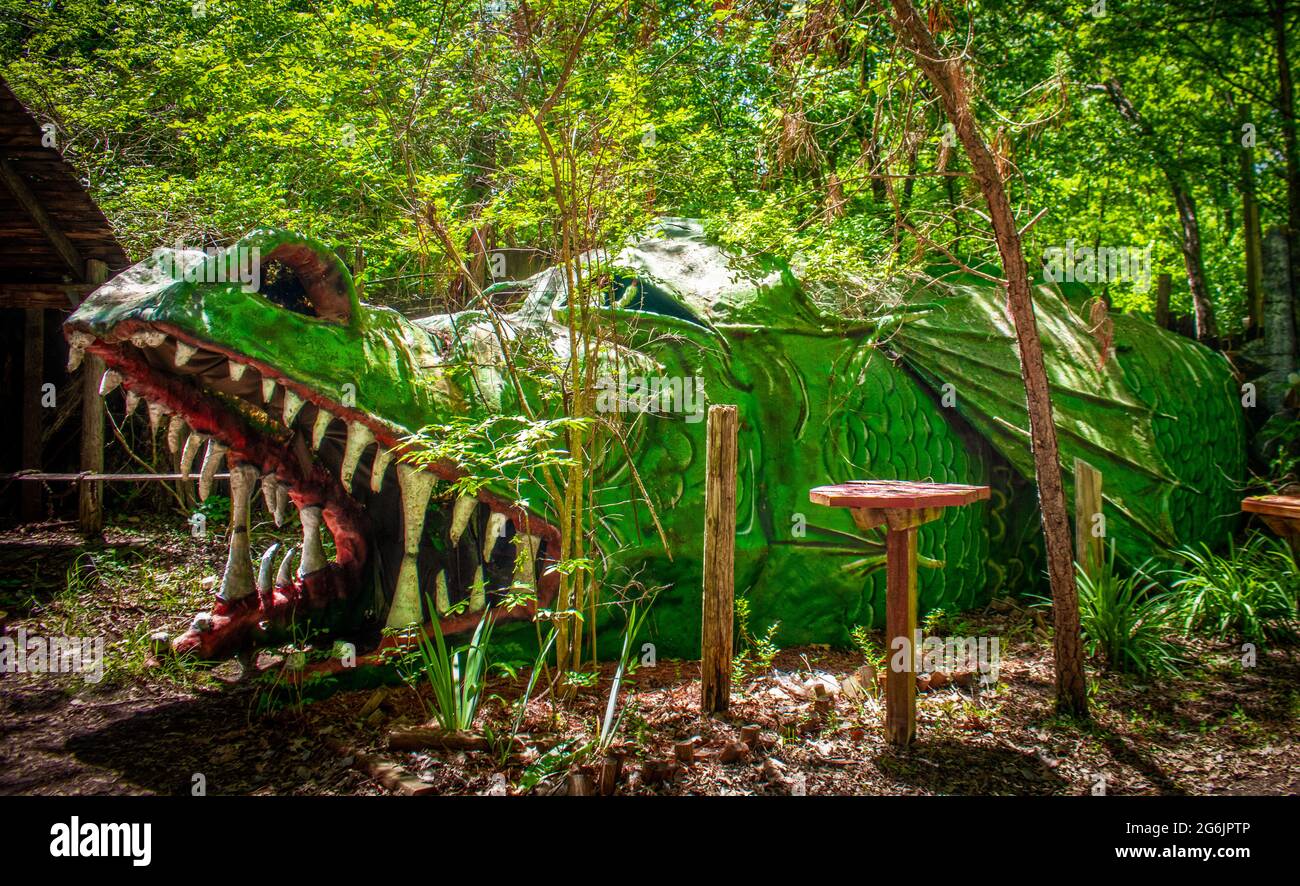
{"x": 49, "y": 225}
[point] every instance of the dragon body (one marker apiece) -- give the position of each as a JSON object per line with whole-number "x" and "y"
{"x": 296, "y": 383}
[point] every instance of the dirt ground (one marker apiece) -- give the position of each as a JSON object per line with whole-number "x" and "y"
{"x": 162, "y": 727}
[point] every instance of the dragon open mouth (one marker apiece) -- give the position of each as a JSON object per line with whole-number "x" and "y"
{"x": 398, "y": 529}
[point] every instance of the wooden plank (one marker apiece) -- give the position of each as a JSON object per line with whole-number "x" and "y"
{"x": 900, "y": 624}
{"x": 1089, "y": 549}
{"x": 719, "y": 559}
{"x": 33, "y": 378}
{"x": 892, "y": 494}
{"x": 17, "y": 186}
{"x": 90, "y": 503}
{"x": 894, "y": 518}
{"x": 1273, "y": 505}
{"x": 50, "y": 296}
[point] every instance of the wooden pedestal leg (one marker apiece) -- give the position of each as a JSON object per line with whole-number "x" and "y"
{"x": 900, "y": 621}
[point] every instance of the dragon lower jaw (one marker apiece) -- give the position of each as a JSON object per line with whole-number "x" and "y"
{"x": 398, "y": 537}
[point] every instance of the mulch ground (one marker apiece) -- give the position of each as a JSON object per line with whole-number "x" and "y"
{"x": 1220, "y": 729}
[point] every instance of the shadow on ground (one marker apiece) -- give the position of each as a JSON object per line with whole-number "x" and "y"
{"x": 950, "y": 767}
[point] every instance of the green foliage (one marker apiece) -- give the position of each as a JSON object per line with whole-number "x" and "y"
{"x": 1249, "y": 594}
{"x": 797, "y": 128}
{"x": 869, "y": 646}
{"x": 757, "y": 651}
{"x": 216, "y": 508}
{"x": 456, "y": 676}
{"x": 1127, "y": 620}
{"x": 627, "y": 660}
{"x": 1281, "y": 436}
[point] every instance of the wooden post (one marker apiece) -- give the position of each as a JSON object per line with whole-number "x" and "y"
{"x": 900, "y": 622}
{"x": 90, "y": 506}
{"x": 719, "y": 560}
{"x": 1089, "y": 549}
{"x": 33, "y": 378}
{"x": 1164, "y": 286}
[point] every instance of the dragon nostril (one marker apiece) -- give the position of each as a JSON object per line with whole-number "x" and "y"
{"x": 282, "y": 287}
{"x": 307, "y": 280}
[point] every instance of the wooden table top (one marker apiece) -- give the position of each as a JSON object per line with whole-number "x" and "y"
{"x": 1273, "y": 505}
{"x": 896, "y": 494}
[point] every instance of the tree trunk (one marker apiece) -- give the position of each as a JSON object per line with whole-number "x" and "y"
{"x": 949, "y": 81}
{"x": 1279, "y": 352}
{"x": 1251, "y": 236}
{"x": 1286, "y": 105}
{"x": 1186, "y": 205}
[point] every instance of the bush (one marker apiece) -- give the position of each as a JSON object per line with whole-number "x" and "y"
{"x": 1249, "y": 593}
{"x": 1127, "y": 621}
{"x": 456, "y": 676}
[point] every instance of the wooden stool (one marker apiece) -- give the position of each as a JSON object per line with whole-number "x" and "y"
{"x": 900, "y": 507}
{"x": 1281, "y": 513}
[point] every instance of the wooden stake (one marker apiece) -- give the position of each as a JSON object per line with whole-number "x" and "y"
{"x": 1164, "y": 286}
{"x": 1089, "y": 549}
{"x": 33, "y": 378}
{"x": 90, "y": 507}
{"x": 900, "y": 622}
{"x": 719, "y": 560}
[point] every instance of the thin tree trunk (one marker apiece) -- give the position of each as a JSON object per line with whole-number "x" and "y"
{"x": 1251, "y": 234}
{"x": 1286, "y": 105}
{"x": 949, "y": 81}
{"x": 1186, "y": 205}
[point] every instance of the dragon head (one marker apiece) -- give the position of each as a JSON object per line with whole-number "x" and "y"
{"x": 263, "y": 356}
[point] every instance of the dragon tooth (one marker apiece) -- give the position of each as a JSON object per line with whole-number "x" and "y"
{"x": 184, "y": 351}
{"x": 526, "y": 547}
{"x": 313, "y": 554}
{"x": 156, "y": 413}
{"x": 318, "y": 429}
{"x": 460, "y": 514}
{"x": 477, "y": 591}
{"x": 236, "y": 370}
{"x": 268, "y": 390}
{"x": 132, "y": 401}
{"x": 175, "y": 428}
{"x": 112, "y": 378}
{"x": 237, "y": 581}
{"x": 359, "y": 437}
{"x": 281, "y": 504}
{"x": 77, "y": 344}
{"x": 417, "y": 486}
{"x": 284, "y": 577}
{"x": 264, "y": 569}
{"x": 442, "y": 598}
{"x": 211, "y": 460}
{"x": 292, "y": 405}
{"x": 379, "y": 468}
{"x": 270, "y": 486}
{"x": 496, "y": 527}
{"x": 190, "y": 452}
{"x": 147, "y": 339}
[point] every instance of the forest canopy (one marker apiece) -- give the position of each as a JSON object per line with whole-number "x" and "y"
{"x": 411, "y": 128}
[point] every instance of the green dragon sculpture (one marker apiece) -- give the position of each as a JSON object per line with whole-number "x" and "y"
{"x": 291, "y": 379}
